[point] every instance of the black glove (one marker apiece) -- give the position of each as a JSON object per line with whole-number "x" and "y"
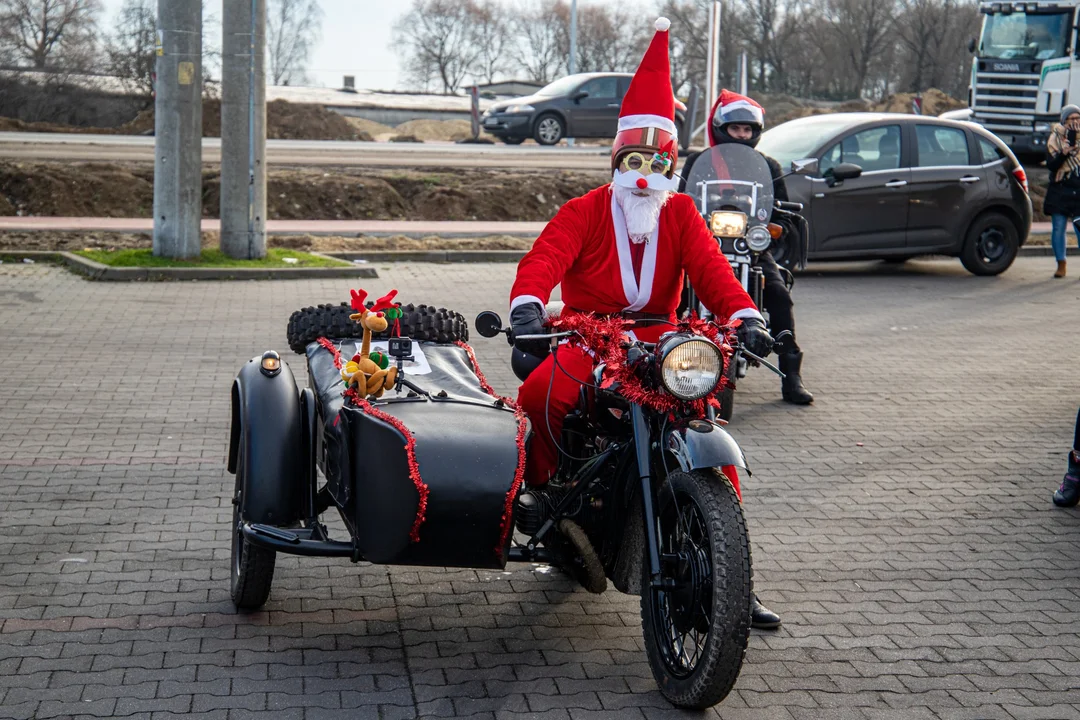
{"x": 528, "y": 319}
{"x": 754, "y": 337}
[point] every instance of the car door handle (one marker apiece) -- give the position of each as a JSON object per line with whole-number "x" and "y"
{"x": 896, "y": 184}
{"x": 968, "y": 179}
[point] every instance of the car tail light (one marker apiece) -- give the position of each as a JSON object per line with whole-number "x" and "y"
{"x": 1021, "y": 177}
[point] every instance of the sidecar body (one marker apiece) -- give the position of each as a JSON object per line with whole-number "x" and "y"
{"x": 418, "y": 478}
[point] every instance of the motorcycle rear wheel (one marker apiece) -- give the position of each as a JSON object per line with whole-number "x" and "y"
{"x": 696, "y": 632}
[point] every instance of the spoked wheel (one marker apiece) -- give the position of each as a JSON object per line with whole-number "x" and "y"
{"x": 697, "y": 626}
{"x": 252, "y": 567}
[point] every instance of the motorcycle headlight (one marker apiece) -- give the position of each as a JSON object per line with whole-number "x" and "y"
{"x": 727, "y": 224}
{"x": 690, "y": 367}
{"x": 759, "y": 238}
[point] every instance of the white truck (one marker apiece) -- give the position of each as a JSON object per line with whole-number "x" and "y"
{"x": 1026, "y": 68}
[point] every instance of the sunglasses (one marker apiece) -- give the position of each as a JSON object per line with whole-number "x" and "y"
{"x": 658, "y": 163}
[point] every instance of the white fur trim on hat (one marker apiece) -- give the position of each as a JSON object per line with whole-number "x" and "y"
{"x": 732, "y": 107}
{"x": 662, "y": 24}
{"x": 632, "y": 122}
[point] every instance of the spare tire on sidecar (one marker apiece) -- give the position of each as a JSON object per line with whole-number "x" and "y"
{"x": 425, "y": 475}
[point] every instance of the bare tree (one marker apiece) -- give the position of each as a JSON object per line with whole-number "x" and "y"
{"x": 493, "y": 38}
{"x": 292, "y": 29}
{"x": 130, "y": 45}
{"x": 930, "y": 35}
{"x": 437, "y": 41}
{"x": 862, "y": 31}
{"x": 44, "y": 33}
{"x": 542, "y": 31}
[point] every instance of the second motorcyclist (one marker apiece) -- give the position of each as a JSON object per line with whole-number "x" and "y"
{"x": 738, "y": 119}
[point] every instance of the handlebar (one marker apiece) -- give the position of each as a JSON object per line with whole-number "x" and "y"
{"x": 789, "y": 206}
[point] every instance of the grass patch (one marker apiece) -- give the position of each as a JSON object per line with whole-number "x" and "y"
{"x": 210, "y": 258}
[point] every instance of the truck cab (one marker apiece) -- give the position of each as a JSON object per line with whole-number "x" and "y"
{"x": 1025, "y": 70}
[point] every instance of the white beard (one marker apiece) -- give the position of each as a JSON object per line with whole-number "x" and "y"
{"x": 642, "y": 212}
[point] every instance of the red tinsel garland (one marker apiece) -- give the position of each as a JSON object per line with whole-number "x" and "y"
{"x": 519, "y": 473}
{"x": 410, "y": 442}
{"x": 604, "y": 336}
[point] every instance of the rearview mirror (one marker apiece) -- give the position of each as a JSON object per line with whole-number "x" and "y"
{"x": 579, "y": 95}
{"x": 844, "y": 171}
{"x": 805, "y": 166}
{"x": 971, "y": 46}
{"x": 488, "y": 324}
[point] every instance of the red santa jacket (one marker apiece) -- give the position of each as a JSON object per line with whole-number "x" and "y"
{"x": 586, "y": 247}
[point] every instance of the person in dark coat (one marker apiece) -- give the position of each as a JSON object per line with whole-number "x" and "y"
{"x": 1068, "y": 495}
{"x": 738, "y": 119}
{"x": 1062, "y": 201}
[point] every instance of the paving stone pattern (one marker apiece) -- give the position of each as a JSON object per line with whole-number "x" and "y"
{"x": 902, "y": 526}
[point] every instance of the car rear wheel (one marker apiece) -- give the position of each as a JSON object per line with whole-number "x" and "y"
{"x": 549, "y": 130}
{"x": 991, "y": 245}
{"x": 513, "y": 140}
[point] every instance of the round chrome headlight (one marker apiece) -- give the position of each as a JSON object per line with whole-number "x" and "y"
{"x": 759, "y": 238}
{"x": 690, "y": 367}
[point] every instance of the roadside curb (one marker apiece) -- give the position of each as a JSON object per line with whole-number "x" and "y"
{"x": 1045, "y": 251}
{"x": 93, "y": 270}
{"x": 430, "y": 256}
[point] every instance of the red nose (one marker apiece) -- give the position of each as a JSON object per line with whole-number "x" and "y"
{"x": 379, "y": 314}
{"x": 642, "y": 183}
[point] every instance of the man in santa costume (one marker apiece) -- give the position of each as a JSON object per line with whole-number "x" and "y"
{"x": 622, "y": 249}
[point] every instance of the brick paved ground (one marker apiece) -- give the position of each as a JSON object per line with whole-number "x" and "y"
{"x": 903, "y": 526}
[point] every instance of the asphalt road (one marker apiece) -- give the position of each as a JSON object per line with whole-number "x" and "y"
{"x": 902, "y": 525}
{"x": 132, "y": 148}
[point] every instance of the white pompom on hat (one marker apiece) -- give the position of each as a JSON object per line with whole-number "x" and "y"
{"x": 662, "y": 24}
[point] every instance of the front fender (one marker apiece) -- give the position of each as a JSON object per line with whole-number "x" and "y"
{"x": 267, "y": 425}
{"x": 698, "y": 444}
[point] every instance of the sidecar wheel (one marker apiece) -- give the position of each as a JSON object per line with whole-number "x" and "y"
{"x": 252, "y": 568}
{"x": 696, "y": 632}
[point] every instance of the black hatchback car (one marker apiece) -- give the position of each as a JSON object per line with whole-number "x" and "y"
{"x": 585, "y": 105}
{"x": 928, "y": 186}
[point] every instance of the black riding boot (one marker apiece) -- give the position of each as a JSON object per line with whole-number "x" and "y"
{"x": 1068, "y": 495}
{"x": 792, "y": 386}
{"x": 762, "y": 617}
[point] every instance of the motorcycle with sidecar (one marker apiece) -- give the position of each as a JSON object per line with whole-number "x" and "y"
{"x": 430, "y": 473}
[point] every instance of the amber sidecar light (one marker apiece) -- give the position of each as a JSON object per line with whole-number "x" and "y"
{"x": 690, "y": 366}
{"x": 271, "y": 363}
{"x": 728, "y": 224}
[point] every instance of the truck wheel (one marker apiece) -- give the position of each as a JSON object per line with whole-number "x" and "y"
{"x": 252, "y": 570}
{"x": 423, "y": 323}
{"x": 991, "y": 245}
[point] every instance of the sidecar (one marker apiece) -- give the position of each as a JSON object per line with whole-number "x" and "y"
{"x": 423, "y": 476}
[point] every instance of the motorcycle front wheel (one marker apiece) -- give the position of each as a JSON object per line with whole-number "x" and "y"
{"x": 698, "y": 624}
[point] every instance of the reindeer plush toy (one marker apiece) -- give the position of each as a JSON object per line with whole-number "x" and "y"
{"x": 367, "y": 370}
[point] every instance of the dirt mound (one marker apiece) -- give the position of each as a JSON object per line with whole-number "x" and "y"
{"x": 113, "y": 190}
{"x": 377, "y": 131}
{"x": 69, "y": 190}
{"x": 443, "y": 130}
{"x": 934, "y": 101}
{"x": 284, "y": 121}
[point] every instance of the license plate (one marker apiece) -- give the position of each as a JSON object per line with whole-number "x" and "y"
{"x": 491, "y": 122}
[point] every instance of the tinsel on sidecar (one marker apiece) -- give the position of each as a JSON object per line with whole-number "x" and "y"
{"x": 411, "y": 485}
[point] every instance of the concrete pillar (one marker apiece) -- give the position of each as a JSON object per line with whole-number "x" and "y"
{"x": 178, "y": 130}
{"x": 243, "y": 129}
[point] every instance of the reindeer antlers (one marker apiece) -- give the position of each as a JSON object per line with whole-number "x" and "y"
{"x": 385, "y": 302}
{"x": 358, "y": 298}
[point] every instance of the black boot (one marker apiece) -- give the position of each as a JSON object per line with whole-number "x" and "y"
{"x": 1068, "y": 495}
{"x": 762, "y": 617}
{"x": 791, "y": 385}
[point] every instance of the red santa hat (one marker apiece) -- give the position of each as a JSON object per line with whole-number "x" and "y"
{"x": 647, "y": 117}
{"x": 735, "y": 108}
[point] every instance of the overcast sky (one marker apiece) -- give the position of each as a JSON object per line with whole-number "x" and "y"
{"x": 355, "y": 40}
